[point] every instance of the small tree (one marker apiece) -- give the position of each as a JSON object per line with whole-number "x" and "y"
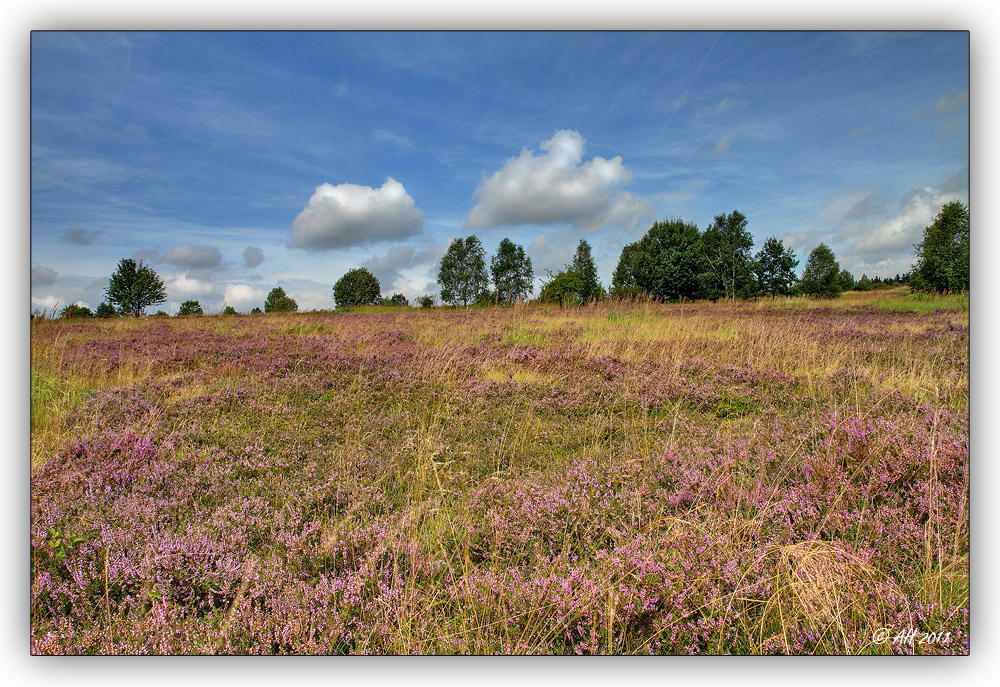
{"x": 256, "y": 311}
{"x": 105, "y": 310}
{"x": 426, "y": 301}
{"x": 512, "y": 273}
{"x": 846, "y": 281}
{"x": 399, "y": 299}
{"x": 725, "y": 251}
{"x": 229, "y": 310}
{"x": 943, "y": 256}
{"x": 821, "y": 277}
{"x": 565, "y": 288}
{"x": 190, "y": 308}
{"x": 462, "y": 273}
{"x": 357, "y": 287}
{"x": 75, "y": 311}
{"x": 586, "y": 271}
{"x": 775, "y": 267}
{"x": 134, "y": 287}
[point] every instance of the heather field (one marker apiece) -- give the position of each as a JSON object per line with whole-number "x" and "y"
{"x": 759, "y": 478}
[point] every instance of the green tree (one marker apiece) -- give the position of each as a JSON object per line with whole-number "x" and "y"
{"x": 821, "y": 277}
{"x": 664, "y": 263}
{"x": 256, "y": 311}
{"x": 565, "y": 288}
{"x": 584, "y": 267}
{"x": 426, "y": 301}
{"x": 278, "y": 301}
{"x": 399, "y": 300}
{"x": 357, "y": 287}
{"x": 190, "y": 308}
{"x": 75, "y": 311}
{"x": 105, "y": 310}
{"x": 943, "y": 256}
{"x": 725, "y": 251}
{"x": 462, "y": 273}
{"x": 512, "y": 273}
{"x": 846, "y": 281}
{"x": 134, "y": 287}
{"x": 229, "y": 310}
{"x": 775, "y": 267}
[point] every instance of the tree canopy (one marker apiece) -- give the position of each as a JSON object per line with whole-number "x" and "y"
{"x": 821, "y": 276}
{"x": 190, "y": 308}
{"x": 943, "y": 256}
{"x": 462, "y": 273}
{"x": 512, "y": 272}
{"x": 775, "y": 268}
{"x": 357, "y": 287}
{"x": 727, "y": 265}
{"x": 586, "y": 271}
{"x": 278, "y": 301}
{"x": 664, "y": 263}
{"x": 134, "y": 287}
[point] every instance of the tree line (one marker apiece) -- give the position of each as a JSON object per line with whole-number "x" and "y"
{"x": 673, "y": 261}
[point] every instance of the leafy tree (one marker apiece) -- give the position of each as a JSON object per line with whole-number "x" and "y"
{"x": 105, "y": 310}
{"x": 190, "y": 308}
{"x": 512, "y": 273}
{"x": 399, "y": 299}
{"x": 161, "y": 313}
{"x": 462, "y": 273}
{"x": 583, "y": 266}
{"x": 426, "y": 301}
{"x": 664, "y": 263}
{"x": 943, "y": 256}
{"x": 229, "y": 310}
{"x": 134, "y": 287}
{"x": 821, "y": 277}
{"x": 278, "y": 301}
{"x": 846, "y": 281}
{"x": 565, "y": 288}
{"x": 75, "y": 311}
{"x": 256, "y": 311}
{"x": 357, "y": 287}
{"x": 775, "y": 267}
{"x": 725, "y": 251}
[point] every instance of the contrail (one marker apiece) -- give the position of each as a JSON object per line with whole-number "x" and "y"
{"x": 698, "y": 147}
{"x": 697, "y": 72}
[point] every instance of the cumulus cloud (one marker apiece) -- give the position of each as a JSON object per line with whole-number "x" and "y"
{"x": 351, "y": 215}
{"x": 42, "y": 276}
{"x": 556, "y": 187}
{"x": 252, "y": 256}
{"x": 724, "y": 105}
{"x": 244, "y": 298}
{"x": 388, "y": 268}
{"x": 80, "y": 237}
{"x": 186, "y": 255}
{"x": 183, "y": 287}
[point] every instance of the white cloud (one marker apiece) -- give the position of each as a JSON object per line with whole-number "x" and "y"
{"x": 727, "y": 140}
{"x": 352, "y": 215}
{"x": 387, "y": 137}
{"x": 244, "y": 298}
{"x": 186, "y": 255}
{"x": 557, "y": 188}
{"x": 182, "y": 287}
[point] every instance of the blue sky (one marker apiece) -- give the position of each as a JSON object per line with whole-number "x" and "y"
{"x": 236, "y": 162}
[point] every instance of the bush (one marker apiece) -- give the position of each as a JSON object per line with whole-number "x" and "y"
{"x": 76, "y": 311}
{"x": 105, "y": 310}
{"x": 190, "y": 308}
{"x": 229, "y": 310}
{"x": 426, "y": 301}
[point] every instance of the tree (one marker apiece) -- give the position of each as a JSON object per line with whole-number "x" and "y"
{"x": 399, "y": 299}
{"x": 134, "y": 287}
{"x": 512, "y": 273}
{"x": 426, "y": 301}
{"x": 105, "y": 310}
{"x": 357, "y": 287}
{"x": 943, "y": 256}
{"x": 775, "y": 267}
{"x": 583, "y": 266}
{"x": 229, "y": 310}
{"x": 75, "y": 311}
{"x": 278, "y": 301}
{"x": 256, "y": 311}
{"x": 462, "y": 273}
{"x": 190, "y": 308}
{"x": 846, "y": 281}
{"x": 821, "y": 277}
{"x": 565, "y": 288}
{"x": 664, "y": 263}
{"x": 725, "y": 251}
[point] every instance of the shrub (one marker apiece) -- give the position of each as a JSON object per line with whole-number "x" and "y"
{"x": 75, "y": 311}
{"x": 190, "y": 308}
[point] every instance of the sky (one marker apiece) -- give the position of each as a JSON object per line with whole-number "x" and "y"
{"x": 234, "y": 162}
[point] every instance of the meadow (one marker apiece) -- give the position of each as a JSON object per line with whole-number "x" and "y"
{"x": 785, "y": 477}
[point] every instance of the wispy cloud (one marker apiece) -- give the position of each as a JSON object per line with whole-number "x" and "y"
{"x": 724, "y": 105}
